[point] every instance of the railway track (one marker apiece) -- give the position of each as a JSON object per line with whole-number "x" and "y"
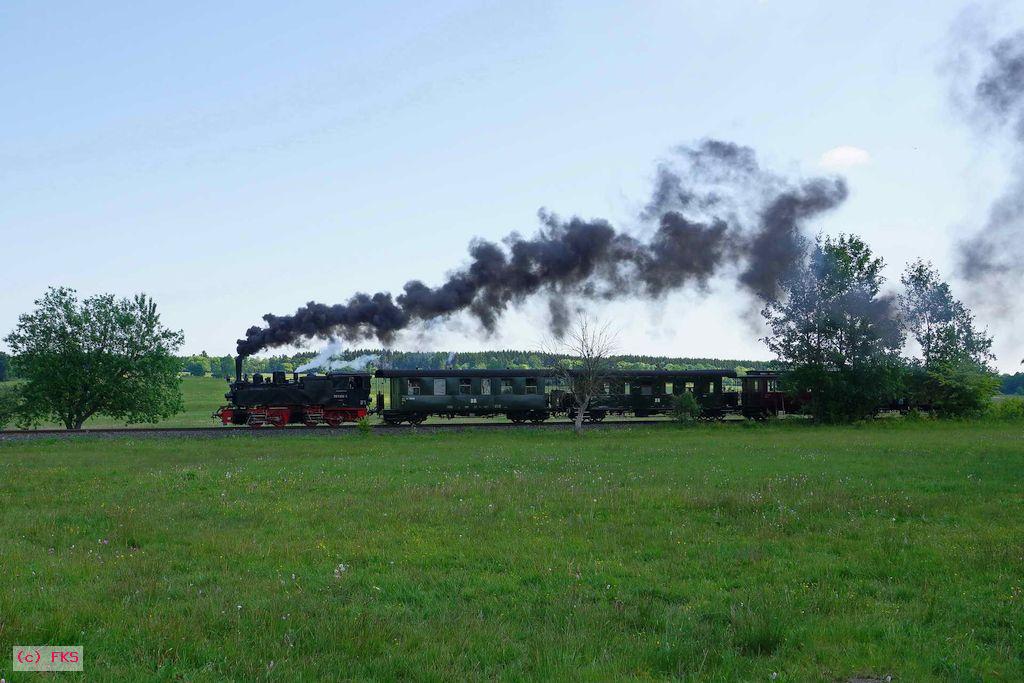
{"x": 215, "y": 432}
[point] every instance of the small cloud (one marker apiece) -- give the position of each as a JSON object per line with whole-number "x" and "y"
{"x": 844, "y": 156}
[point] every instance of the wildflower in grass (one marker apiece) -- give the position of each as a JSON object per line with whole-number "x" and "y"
{"x": 339, "y": 570}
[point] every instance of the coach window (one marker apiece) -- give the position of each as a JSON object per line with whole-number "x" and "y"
{"x": 626, "y": 389}
{"x": 506, "y": 386}
{"x": 773, "y": 385}
{"x": 485, "y": 387}
{"x": 465, "y": 386}
{"x": 711, "y": 387}
{"x": 439, "y": 389}
{"x": 607, "y": 388}
{"x": 668, "y": 388}
{"x": 414, "y": 387}
{"x": 531, "y": 385}
{"x": 689, "y": 387}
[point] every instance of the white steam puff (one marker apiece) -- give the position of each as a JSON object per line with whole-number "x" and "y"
{"x": 331, "y": 358}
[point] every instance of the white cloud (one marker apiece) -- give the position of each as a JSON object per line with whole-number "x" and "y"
{"x": 844, "y": 156}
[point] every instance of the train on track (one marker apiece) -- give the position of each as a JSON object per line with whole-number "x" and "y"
{"x": 412, "y": 396}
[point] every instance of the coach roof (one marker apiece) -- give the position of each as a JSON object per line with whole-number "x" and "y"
{"x": 512, "y": 372}
{"x": 507, "y": 372}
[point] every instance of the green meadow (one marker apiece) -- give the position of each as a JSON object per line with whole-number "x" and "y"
{"x": 200, "y": 397}
{"x": 720, "y": 552}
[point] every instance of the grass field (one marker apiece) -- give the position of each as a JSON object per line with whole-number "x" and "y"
{"x": 718, "y": 552}
{"x": 201, "y": 396}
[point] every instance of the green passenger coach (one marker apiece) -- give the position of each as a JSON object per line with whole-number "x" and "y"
{"x": 652, "y": 392}
{"x": 415, "y": 395}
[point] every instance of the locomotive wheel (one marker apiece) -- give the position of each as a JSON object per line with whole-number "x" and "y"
{"x": 310, "y": 423}
{"x": 334, "y": 422}
{"x": 280, "y": 425}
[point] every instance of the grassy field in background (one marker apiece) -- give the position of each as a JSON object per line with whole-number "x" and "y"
{"x": 201, "y": 396}
{"x": 718, "y": 552}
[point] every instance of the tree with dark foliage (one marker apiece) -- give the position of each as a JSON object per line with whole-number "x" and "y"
{"x": 1013, "y": 384}
{"x": 836, "y": 332}
{"x": 223, "y": 367}
{"x": 98, "y": 356}
{"x": 195, "y": 368}
{"x": 953, "y": 376}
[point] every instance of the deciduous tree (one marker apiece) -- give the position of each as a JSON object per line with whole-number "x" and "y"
{"x": 584, "y": 363}
{"x": 97, "y": 356}
{"x": 835, "y": 330}
{"x": 953, "y": 375}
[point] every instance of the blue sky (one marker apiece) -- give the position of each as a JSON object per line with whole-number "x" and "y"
{"x": 233, "y": 159}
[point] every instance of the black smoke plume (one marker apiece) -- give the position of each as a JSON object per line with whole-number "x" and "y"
{"x": 713, "y": 210}
{"x": 992, "y": 259}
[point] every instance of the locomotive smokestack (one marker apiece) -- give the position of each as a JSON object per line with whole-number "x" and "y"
{"x": 238, "y": 367}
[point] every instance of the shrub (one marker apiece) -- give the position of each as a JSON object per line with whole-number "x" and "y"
{"x": 915, "y": 415}
{"x": 953, "y": 389}
{"x": 847, "y": 394}
{"x": 9, "y": 399}
{"x": 363, "y": 425}
{"x": 685, "y": 408}
{"x": 1011, "y": 408}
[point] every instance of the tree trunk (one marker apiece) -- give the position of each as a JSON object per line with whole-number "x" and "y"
{"x": 577, "y": 426}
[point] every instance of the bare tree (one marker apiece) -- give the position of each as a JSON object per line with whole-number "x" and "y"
{"x": 584, "y": 361}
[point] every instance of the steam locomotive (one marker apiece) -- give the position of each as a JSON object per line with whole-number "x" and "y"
{"x": 411, "y": 396}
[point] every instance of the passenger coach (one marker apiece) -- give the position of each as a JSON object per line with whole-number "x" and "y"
{"x": 415, "y": 395}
